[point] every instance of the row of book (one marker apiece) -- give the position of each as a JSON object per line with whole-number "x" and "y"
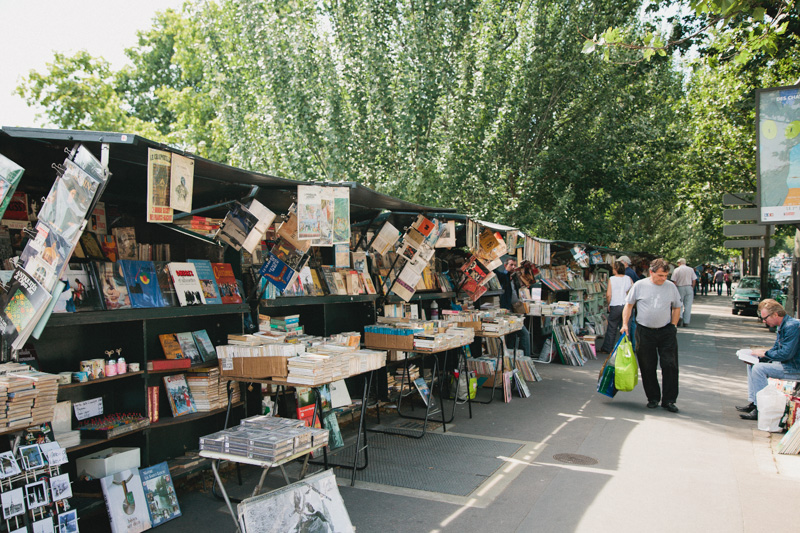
{"x": 326, "y": 364}
{"x": 571, "y": 350}
{"x": 193, "y": 345}
{"x": 128, "y": 284}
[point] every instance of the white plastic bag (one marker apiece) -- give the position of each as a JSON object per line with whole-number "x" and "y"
{"x": 771, "y": 404}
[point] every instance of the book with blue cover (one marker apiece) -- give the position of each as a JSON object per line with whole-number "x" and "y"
{"x": 142, "y": 282}
{"x": 159, "y": 493}
{"x": 277, "y": 272}
{"x": 205, "y": 272}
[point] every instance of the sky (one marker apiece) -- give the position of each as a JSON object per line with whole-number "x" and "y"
{"x": 34, "y": 29}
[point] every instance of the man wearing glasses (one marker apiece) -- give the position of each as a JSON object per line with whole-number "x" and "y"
{"x": 779, "y": 362}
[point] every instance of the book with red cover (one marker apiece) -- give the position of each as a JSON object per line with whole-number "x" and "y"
{"x": 152, "y": 404}
{"x": 228, "y": 288}
{"x": 169, "y": 364}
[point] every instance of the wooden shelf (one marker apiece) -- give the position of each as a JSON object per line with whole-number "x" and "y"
{"x": 287, "y": 301}
{"x": 101, "y": 380}
{"x": 88, "y": 443}
{"x": 133, "y": 315}
{"x": 171, "y": 420}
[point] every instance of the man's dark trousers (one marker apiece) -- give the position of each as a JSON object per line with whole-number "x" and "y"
{"x": 654, "y": 345}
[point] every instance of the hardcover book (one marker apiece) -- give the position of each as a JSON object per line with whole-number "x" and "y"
{"x": 91, "y": 246}
{"x": 85, "y": 287}
{"x": 125, "y": 502}
{"x": 205, "y": 272}
{"x": 179, "y": 395}
{"x": 187, "y": 284}
{"x": 112, "y": 286}
{"x": 277, "y": 272}
{"x": 188, "y": 346}
{"x": 109, "y": 245}
{"x": 171, "y": 346}
{"x": 164, "y": 277}
{"x": 204, "y": 345}
{"x": 228, "y": 287}
{"x": 142, "y": 283}
{"x": 159, "y": 493}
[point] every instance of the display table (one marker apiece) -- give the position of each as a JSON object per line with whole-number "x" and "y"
{"x": 500, "y": 364}
{"x": 406, "y": 378}
{"x": 360, "y": 437}
{"x": 265, "y": 465}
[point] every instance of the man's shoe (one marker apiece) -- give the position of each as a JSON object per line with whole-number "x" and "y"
{"x": 749, "y": 408}
{"x": 685, "y": 325}
{"x": 652, "y": 404}
{"x": 752, "y": 415}
{"x": 671, "y": 407}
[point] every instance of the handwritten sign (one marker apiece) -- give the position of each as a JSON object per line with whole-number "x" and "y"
{"x": 88, "y": 409}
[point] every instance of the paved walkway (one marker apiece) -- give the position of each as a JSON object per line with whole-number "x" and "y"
{"x": 703, "y": 469}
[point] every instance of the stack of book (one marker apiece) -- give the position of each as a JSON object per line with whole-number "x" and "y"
{"x": 236, "y": 394}
{"x": 3, "y": 400}
{"x": 204, "y": 384}
{"x": 289, "y": 325}
{"x": 311, "y": 369}
{"x": 45, "y": 402}
{"x": 20, "y": 398}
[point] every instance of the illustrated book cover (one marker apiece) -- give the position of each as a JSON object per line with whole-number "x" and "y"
{"x": 112, "y": 286}
{"x": 204, "y": 345}
{"x": 187, "y": 284}
{"x": 10, "y": 174}
{"x": 226, "y": 282}
{"x": 188, "y": 346}
{"x": 171, "y": 346}
{"x": 205, "y": 273}
{"x": 164, "y": 278}
{"x": 159, "y": 493}
{"x": 125, "y": 502}
{"x": 21, "y": 306}
{"x": 179, "y": 395}
{"x": 142, "y": 283}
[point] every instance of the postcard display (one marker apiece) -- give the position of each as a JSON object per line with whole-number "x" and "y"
{"x": 35, "y": 284}
{"x": 34, "y": 491}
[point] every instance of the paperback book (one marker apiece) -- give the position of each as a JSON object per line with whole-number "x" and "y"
{"x": 204, "y": 345}
{"x": 187, "y": 284}
{"x": 179, "y": 395}
{"x": 165, "y": 284}
{"x": 205, "y": 273}
{"x": 188, "y": 346}
{"x": 159, "y": 493}
{"x": 112, "y": 286}
{"x": 227, "y": 284}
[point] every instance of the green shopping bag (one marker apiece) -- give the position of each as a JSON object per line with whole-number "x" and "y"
{"x": 626, "y": 370}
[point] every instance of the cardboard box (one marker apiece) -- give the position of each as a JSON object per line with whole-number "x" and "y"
{"x": 476, "y": 326}
{"x": 255, "y": 367}
{"x": 107, "y": 462}
{"x": 388, "y": 342}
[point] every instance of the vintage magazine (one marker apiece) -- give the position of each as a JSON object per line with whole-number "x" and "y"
{"x": 69, "y": 201}
{"x": 309, "y": 211}
{"x": 158, "y": 180}
{"x": 181, "y": 183}
{"x": 179, "y": 395}
{"x": 126, "y": 242}
{"x": 288, "y": 231}
{"x": 98, "y": 224}
{"x": 341, "y": 215}
{"x": 386, "y": 238}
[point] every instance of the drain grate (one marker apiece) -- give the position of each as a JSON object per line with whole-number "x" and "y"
{"x": 575, "y": 459}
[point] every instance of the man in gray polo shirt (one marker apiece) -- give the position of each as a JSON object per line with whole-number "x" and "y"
{"x": 658, "y": 309}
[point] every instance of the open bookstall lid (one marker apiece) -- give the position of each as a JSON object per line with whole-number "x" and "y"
{"x": 35, "y": 149}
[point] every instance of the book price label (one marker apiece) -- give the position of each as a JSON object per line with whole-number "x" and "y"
{"x": 89, "y": 408}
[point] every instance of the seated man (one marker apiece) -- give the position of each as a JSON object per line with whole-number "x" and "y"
{"x": 782, "y": 361}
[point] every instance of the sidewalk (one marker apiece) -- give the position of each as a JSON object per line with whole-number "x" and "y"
{"x": 701, "y": 470}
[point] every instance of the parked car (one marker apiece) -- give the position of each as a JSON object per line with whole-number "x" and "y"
{"x": 736, "y": 275}
{"x": 747, "y": 295}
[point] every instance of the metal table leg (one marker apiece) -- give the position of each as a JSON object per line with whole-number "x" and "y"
{"x": 411, "y": 433}
{"x": 225, "y": 495}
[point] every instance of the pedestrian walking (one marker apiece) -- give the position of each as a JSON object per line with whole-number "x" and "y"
{"x": 705, "y": 279}
{"x": 658, "y": 309}
{"x": 685, "y": 280}
{"x": 618, "y": 286}
{"x": 718, "y": 280}
{"x": 728, "y": 280}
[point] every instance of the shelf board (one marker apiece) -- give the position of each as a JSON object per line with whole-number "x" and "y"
{"x": 393, "y": 298}
{"x": 88, "y": 443}
{"x": 171, "y": 420}
{"x": 101, "y": 380}
{"x": 132, "y": 315}
{"x": 287, "y": 301}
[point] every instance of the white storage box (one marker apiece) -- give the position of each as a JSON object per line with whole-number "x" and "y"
{"x": 107, "y": 462}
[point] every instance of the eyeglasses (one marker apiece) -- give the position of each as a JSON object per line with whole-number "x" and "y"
{"x": 766, "y": 317}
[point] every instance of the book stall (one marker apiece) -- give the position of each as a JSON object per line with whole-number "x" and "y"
{"x": 146, "y": 263}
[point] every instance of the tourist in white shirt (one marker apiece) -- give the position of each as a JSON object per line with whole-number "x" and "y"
{"x": 685, "y": 278}
{"x": 618, "y": 286}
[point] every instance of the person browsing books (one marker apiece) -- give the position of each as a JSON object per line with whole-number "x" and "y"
{"x": 630, "y": 272}
{"x": 506, "y": 274}
{"x": 618, "y": 286}
{"x": 782, "y": 361}
{"x": 658, "y": 309}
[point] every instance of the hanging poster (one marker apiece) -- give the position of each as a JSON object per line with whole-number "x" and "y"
{"x": 341, "y": 215}
{"x": 447, "y": 234}
{"x": 309, "y": 211}
{"x": 68, "y": 202}
{"x": 288, "y": 230}
{"x": 325, "y": 219}
{"x": 158, "y": 179}
{"x": 778, "y": 117}
{"x": 181, "y": 179}
{"x": 10, "y": 174}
